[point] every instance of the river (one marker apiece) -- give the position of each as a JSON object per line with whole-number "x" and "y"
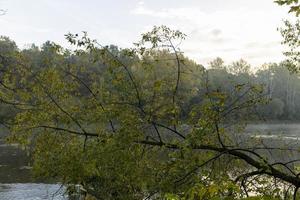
{"x": 16, "y": 182}
{"x": 32, "y": 191}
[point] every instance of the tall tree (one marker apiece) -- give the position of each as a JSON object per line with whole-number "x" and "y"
{"x": 114, "y": 121}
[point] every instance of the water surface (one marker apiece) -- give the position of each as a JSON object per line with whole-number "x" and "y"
{"x": 32, "y": 191}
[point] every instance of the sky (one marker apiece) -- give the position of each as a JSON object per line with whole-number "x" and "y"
{"x": 230, "y": 29}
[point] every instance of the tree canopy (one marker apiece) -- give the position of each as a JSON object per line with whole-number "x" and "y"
{"x": 147, "y": 122}
{"x": 293, "y": 4}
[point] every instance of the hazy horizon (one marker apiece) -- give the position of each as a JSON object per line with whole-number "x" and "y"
{"x": 237, "y": 29}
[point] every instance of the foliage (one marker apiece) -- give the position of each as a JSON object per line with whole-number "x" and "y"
{"x": 140, "y": 123}
{"x": 293, "y": 4}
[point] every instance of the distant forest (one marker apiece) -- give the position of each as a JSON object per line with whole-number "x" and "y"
{"x": 280, "y": 88}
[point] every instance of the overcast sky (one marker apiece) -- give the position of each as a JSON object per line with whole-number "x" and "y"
{"x": 231, "y": 29}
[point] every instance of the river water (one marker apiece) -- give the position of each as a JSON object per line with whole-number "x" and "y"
{"x": 32, "y": 191}
{"x": 287, "y": 131}
{"x": 16, "y": 182}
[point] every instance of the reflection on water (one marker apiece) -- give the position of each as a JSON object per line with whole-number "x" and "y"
{"x": 275, "y": 131}
{"x": 17, "y": 181}
{"x": 278, "y": 137}
{"x": 31, "y": 191}
{"x": 14, "y": 163}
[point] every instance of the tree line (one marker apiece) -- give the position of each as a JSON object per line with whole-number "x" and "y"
{"x": 149, "y": 123}
{"x": 280, "y": 86}
{"x": 146, "y": 122}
